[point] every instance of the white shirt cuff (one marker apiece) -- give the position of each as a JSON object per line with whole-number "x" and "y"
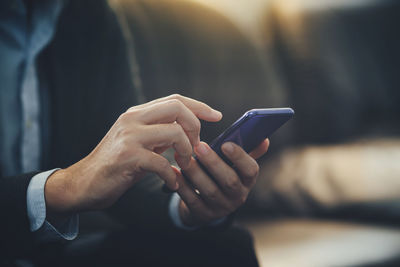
{"x": 36, "y": 207}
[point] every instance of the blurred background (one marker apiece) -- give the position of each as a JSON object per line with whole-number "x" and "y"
{"x": 329, "y": 189}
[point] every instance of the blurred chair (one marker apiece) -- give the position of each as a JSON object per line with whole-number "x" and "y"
{"x": 184, "y": 47}
{"x": 339, "y": 61}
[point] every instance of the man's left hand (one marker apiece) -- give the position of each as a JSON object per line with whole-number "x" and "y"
{"x": 206, "y": 199}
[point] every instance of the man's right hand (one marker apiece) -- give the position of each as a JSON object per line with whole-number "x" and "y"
{"x": 131, "y": 148}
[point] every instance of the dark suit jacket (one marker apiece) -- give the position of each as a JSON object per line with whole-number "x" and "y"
{"x": 87, "y": 73}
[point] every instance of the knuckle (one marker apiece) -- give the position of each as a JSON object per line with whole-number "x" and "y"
{"x": 193, "y": 203}
{"x": 233, "y": 185}
{"x": 128, "y": 116}
{"x": 193, "y": 129}
{"x": 131, "y": 109}
{"x": 175, "y": 103}
{"x": 253, "y": 171}
{"x": 177, "y": 128}
{"x": 212, "y": 194}
{"x": 237, "y": 154}
{"x": 121, "y": 154}
{"x": 124, "y": 117}
{"x": 196, "y": 126}
{"x": 176, "y": 96}
{"x": 180, "y": 137}
{"x": 183, "y": 153}
{"x": 124, "y": 141}
{"x": 164, "y": 165}
{"x": 186, "y": 152}
{"x": 125, "y": 134}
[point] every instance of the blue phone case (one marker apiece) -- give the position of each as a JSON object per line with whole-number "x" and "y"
{"x": 252, "y": 128}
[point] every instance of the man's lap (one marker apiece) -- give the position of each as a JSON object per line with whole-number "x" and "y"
{"x": 231, "y": 247}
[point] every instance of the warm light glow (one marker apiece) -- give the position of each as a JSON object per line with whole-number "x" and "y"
{"x": 295, "y": 6}
{"x": 246, "y": 14}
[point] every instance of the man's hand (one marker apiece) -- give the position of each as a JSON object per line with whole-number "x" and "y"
{"x": 205, "y": 199}
{"x": 131, "y": 148}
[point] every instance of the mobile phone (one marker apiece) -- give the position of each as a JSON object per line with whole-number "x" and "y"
{"x": 250, "y": 130}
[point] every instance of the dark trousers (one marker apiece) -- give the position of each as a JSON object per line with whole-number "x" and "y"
{"x": 230, "y": 247}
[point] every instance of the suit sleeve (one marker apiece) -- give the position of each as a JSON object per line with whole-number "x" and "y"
{"x": 16, "y": 238}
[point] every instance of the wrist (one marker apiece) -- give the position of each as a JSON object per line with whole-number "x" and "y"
{"x": 57, "y": 193}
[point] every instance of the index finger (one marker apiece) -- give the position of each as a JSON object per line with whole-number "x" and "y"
{"x": 200, "y": 109}
{"x": 172, "y": 111}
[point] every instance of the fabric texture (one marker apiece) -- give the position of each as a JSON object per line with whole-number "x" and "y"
{"x": 36, "y": 205}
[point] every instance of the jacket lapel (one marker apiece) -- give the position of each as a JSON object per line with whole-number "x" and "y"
{"x": 89, "y": 80}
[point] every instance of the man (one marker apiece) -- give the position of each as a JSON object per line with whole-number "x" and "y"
{"x": 67, "y": 101}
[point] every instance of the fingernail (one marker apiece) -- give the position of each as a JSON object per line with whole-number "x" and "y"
{"x": 201, "y": 149}
{"x": 176, "y": 186}
{"x": 228, "y": 148}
